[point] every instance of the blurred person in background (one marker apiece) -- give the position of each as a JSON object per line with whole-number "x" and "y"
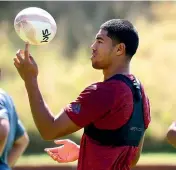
{"x": 114, "y": 113}
{"x": 13, "y": 137}
{"x": 171, "y": 134}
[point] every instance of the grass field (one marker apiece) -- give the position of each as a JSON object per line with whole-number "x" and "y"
{"x": 161, "y": 158}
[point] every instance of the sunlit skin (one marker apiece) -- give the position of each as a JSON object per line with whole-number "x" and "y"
{"x": 68, "y": 152}
{"x": 108, "y": 55}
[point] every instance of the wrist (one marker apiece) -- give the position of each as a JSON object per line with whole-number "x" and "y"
{"x": 31, "y": 81}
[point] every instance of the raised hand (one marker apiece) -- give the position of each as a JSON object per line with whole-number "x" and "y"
{"x": 25, "y": 64}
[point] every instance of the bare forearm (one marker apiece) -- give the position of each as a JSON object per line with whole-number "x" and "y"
{"x": 15, "y": 153}
{"x": 2, "y": 145}
{"x": 42, "y": 116}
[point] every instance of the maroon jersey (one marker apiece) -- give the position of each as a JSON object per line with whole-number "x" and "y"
{"x": 91, "y": 107}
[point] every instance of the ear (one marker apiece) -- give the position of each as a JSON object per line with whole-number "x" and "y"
{"x": 120, "y": 49}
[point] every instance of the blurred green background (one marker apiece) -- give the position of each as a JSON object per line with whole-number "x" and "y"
{"x": 65, "y": 68}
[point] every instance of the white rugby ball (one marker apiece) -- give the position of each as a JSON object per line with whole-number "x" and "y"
{"x": 35, "y": 26}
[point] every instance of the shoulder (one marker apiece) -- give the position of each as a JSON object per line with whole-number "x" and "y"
{"x": 107, "y": 86}
{"x": 113, "y": 91}
{"x": 97, "y": 88}
{"x": 4, "y": 127}
{"x": 3, "y": 97}
{"x": 103, "y": 90}
{"x": 119, "y": 87}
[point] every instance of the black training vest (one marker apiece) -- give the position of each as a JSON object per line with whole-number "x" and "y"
{"x": 129, "y": 134}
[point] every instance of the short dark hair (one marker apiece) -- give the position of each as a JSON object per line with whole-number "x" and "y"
{"x": 122, "y": 31}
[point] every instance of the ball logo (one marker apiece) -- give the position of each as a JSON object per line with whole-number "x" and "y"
{"x": 45, "y": 35}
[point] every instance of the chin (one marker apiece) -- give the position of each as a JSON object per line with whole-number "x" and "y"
{"x": 96, "y": 66}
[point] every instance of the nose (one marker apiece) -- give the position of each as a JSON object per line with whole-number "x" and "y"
{"x": 93, "y": 46}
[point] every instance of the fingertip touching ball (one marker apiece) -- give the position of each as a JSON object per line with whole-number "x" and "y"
{"x": 35, "y": 26}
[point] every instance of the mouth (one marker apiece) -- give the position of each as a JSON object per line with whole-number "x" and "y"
{"x": 93, "y": 55}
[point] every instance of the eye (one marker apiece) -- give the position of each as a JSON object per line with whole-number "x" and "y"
{"x": 99, "y": 41}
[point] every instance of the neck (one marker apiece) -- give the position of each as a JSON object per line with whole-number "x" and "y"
{"x": 111, "y": 71}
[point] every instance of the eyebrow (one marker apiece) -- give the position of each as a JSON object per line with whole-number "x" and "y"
{"x": 99, "y": 38}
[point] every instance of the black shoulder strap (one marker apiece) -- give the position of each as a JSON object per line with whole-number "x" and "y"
{"x": 133, "y": 84}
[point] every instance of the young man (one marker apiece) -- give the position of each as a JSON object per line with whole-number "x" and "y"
{"x": 114, "y": 113}
{"x": 13, "y": 137}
